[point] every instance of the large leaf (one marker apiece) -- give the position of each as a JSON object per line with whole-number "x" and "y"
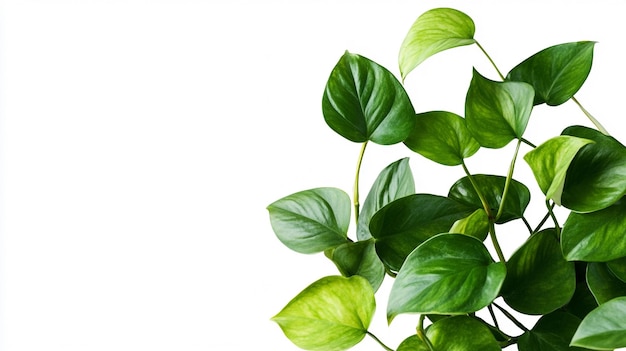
{"x": 604, "y": 328}
{"x": 596, "y": 177}
{"x": 442, "y": 137}
{"x": 447, "y": 274}
{"x": 603, "y": 284}
{"x": 407, "y": 222}
{"x": 618, "y": 268}
{"x": 364, "y": 101}
{"x": 497, "y": 112}
{"x": 393, "y": 182}
{"x": 552, "y": 332}
{"x": 359, "y": 258}
{"x": 434, "y": 31}
{"x": 596, "y": 236}
{"x": 331, "y": 314}
{"x": 539, "y": 280}
{"x": 550, "y": 161}
{"x": 492, "y": 187}
{"x": 557, "y": 72}
{"x": 476, "y": 225}
{"x": 312, "y": 220}
{"x": 461, "y": 333}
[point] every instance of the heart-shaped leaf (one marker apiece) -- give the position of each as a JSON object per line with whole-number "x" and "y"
{"x": 434, "y": 31}
{"x": 476, "y": 225}
{"x": 557, "y": 72}
{"x": 497, "y": 112}
{"x": 407, "y": 222}
{"x": 552, "y": 332}
{"x": 596, "y": 236}
{"x": 312, "y": 220}
{"x": 603, "y": 284}
{"x": 461, "y": 333}
{"x": 331, "y": 314}
{"x": 539, "y": 280}
{"x": 359, "y": 258}
{"x": 364, "y": 101}
{"x": 447, "y": 274}
{"x": 442, "y": 137}
{"x": 550, "y": 161}
{"x": 618, "y": 268}
{"x": 393, "y": 182}
{"x": 604, "y": 328}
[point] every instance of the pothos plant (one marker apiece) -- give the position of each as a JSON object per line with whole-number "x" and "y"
{"x": 571, "y": 274}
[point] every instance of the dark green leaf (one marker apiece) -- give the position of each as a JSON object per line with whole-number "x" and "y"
{"x": 364, "y": 101}
{"x": 434, "y": 31}
{"x": 442, "y": 137}
{"x": 394, "y": 182}
{"x": 492, "y": 188}
{"x": 312, "y": 220}
{"x": 618, "y": 268}
{"x": 407, "y": 222}
{"x": 497, "y": 112}
{"x": 552, "y": 332}
{"x": 557, "y": 72}
{"x": 583, "y": 301}
{"x": 476, "y": 225}
{"x": 539, "y": 280}
{"x": 603, "y": 284}
{"x": 359, "y": 258}
{"x": 331, "y": 314}
{"x": 461, "y": 333}
{"x": 447, "y": 274}
{"x": 604, "y": 328}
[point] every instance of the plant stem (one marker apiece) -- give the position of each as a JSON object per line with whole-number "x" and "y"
{"x": 494, "y": 240}
{"x": 507, "y": 183}
{"x": 528, "y": 143}
{"x": 545, "y": 218}
{"x": 490, "y": 60}
{"x": 422, "y": 335}
{"x": 378, "y": 341}
{"x": 530, "y": 229}
{"x": 556, "y": 224}
{"x": 480, "y": 195}
{"x": 591, "y": 118}
{"x": 493, "y": 316}
{"x": 510, "y": 316}
{"x": 356, "y": 184}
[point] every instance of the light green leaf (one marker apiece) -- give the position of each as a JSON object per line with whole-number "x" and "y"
{"x": 447, "y": 274}
{"x": 434, "y": 31}
{"x": 550, "y": 161}
{"x": 412, "y": 343}
{"x": 461, "y": 333}
{"x": 476, "y": 225}
{"x": 604, "y": 328}
{"x": 359, "y": 258}
{"x": 394, "y": 182}
{"x": 603, "y": 284}
{"x": 497, "y": 112}
{"x": 364, "y": 101}
{"x": 331, "y": 314}
{"x": 312, "y": 220}
{"x": 557, "y": 72}
{"x": 552, "y": 332}
{"x": 442, "y": 137}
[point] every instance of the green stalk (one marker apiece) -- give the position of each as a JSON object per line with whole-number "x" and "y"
{"x": 490, "y": 60}
{"x": 591, "y": 118}
{"x": 422, "y": 335}
{"x": 494, "y": 240}
{"x": 510, "y": 317}
{"x": 509, "y": 176}
{"x": 556, "y": 224}
{"x": 387, "y": 348}
{"x": 480, "y": 195}
{"x": 356, "y": 184}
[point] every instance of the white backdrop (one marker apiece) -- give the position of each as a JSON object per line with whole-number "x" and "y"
{"x": 140, "y": 142}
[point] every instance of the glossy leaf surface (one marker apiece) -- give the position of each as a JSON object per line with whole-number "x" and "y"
{"x": 364, "y": 101}
{"x": 461, "y": 333}
{"x": 405, "y": 223}
{"x": 331, "y": 314}
{"x": 312, "y": 220}
{"x": 359, "y": 258}
{"x": 447, "y": 274}
{"x": 476, "y": 225}
{"x": 604, "y": 328}
{"x": 412, "y": 343}
{"x": 603, "y": 284}
{"x": 556, "y": 73}
{"x": 618, "y": 268}
{"x": 441, "y": 137}
{"x": 434, "y": 31}
{"x": 539, "y": 280}
{"x": 393, "y": 182}
{"x": 552, "y": 332}
{"x": 497, "y": 112}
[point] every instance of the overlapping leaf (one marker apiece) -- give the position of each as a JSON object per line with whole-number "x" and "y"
{"x": 552, "y": 332}
{"x": 359, "y": 258}
{"x": 476, "y": 225}
{"x": 603, "y": 283}
{"x": 461, "y": 333}
{"x": 604, "y": 328}
{"x": 618, "y": 268}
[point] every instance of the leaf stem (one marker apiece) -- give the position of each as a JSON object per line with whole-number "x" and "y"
{"x": 480, "y": 195}
{"x": 356, "y": 183}
{"x": 510, "y": 317}
{"x": 493, "y": 316}
{"x": 490, "y": 60}
{"x": 494, "y": 240}
{"x": 378, "y": 341}
{"x": 530, "y": 229}
{"x": 509, "y": 176}
{"x": 545, "y": 218}
{"x": 591, "y": 118}
{"x": 422, "y": 335}
{"x": 556, "y": 224}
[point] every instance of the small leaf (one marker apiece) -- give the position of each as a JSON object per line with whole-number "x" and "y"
{"x": 331, "y": 314}
{"x": 497, "y": 112}
{"x": 604, "y": 328}
{"x": 434, "y": 31}
{"x": 476, "y": 225}
{"x": 552, "y": 332}
{"x": 603, "y": 284}
{"x": 359, "y": 258}
{"x": 557, "y": 72}
{"x": 618, "y": 268}
{"x": 539, "y": 280}
{"x": 364, "y": 101}
{"x": 550, "y": 161}
{"x": 393, "y": 182}
{"x": 442, "y": 137}
{"x": 447, "y": 274}
{"x": 412, "y": 343}
{"x": 461, "y": 333}
{"x": 312, "y": 220}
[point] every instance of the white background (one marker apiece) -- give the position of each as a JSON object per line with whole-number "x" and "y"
{"x": 140, "y": 142}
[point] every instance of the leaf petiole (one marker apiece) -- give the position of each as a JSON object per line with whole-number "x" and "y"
{"x": 356, "y": 183}
{"x": 387, "y": 348}
{"x": 490, "y": 60}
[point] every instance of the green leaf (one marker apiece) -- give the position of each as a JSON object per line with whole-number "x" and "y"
{"x": 539, "y": 280}
{"x": 596, "y": 236}
{"x": 603, "y": 284}
{"x": 359, "y": 258}
{"x": 618, "y": 268}
{"x": 583, "y": 301}
{"x": 461, "y": 333}
{"x": 476, "y": 225}
{"x": 442, "y": 137}
{"x": 447, "y": 274}
{"x": 364, "y": 101}
{"x": 331, "y": 314}
{"x": 596, "y": 177}
{"x": 550, "y": 161}
{"x": 312, "y": 220}
{"x": 552, "y": 332}
{"x": 393, "y": 182}
{"x": 557, "y": 72}
{"x": 413, "y": 343}
{"x": 497, "y": 112}
{"x": 407, "y": 222}
{"x": 492, "y": 187}
{"x": 434, "y": 31}
{"x": 604, "y": 328}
